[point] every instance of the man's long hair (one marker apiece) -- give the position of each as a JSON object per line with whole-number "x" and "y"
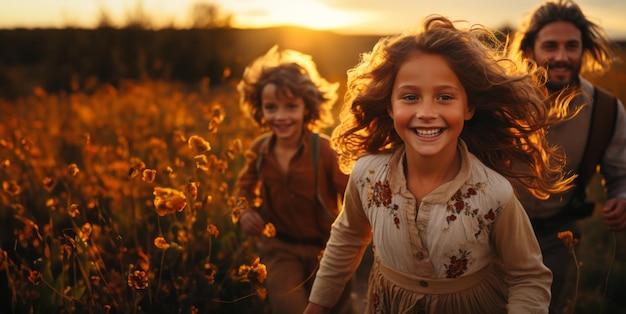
{"x": 598, "y": 50}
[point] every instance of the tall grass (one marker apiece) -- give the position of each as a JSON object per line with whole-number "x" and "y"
{"x": 120, "y": 201}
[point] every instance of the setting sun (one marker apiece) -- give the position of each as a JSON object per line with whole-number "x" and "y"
{"x": 307, "y": 13}
{"x": 346, "y": 16}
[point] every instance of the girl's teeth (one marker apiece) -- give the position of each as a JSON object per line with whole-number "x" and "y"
{"x": 429, "y": 133}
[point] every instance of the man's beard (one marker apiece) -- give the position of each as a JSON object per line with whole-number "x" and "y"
{"x": 557, "y": 85}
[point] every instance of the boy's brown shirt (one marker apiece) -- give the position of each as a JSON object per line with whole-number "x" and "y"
{"x": 291, "y": 203}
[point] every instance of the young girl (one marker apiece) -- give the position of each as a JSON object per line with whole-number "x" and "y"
{"x": 297, "y": 169}
{"x": 434, "y": 118}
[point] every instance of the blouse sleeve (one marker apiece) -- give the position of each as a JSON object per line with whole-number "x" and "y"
{"x": 529, "y": 279}
{"x": 349, "y": 237}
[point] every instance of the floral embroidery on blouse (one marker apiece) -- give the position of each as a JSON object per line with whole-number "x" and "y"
{"x": 459, "y": 205}
{"x": 487, "y": 220}
{"x": 380, "y": 195}
{"x": 457, "y": 265}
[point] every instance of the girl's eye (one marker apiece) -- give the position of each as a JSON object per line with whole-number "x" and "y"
{"x": 445, "y": 97}
{"x": 409, "y": 97}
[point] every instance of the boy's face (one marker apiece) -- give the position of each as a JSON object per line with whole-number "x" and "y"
{"x": 428, "y": 106}
{"x": 283, "y": 113}
{"x": 558, "y": 47}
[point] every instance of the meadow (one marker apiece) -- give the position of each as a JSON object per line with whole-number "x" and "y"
{"x": 121, "y": 202}
{"x": 118, "y": 197}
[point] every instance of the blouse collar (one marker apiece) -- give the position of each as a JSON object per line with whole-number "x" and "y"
{"x": 443, "y": 193}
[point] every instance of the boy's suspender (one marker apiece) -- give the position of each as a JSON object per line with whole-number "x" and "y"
{"x": 315, "y": 152}
{"x": 603, "y": 118}
{"x": 601, "y": 128}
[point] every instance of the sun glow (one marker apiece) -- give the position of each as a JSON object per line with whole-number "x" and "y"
{"x": 306, "y": 13}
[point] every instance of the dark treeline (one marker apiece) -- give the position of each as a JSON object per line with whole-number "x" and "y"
{"x": 62, "y": 59}
{"x": 65, "y": 59}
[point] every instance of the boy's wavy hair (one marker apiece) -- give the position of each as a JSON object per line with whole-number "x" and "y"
{"x": 510, "y": 116}
{"x": 292, "y": 72}
{"x": 598, "y": 51}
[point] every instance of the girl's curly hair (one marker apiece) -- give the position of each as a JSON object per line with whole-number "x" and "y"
{"x": 508, "y": 129}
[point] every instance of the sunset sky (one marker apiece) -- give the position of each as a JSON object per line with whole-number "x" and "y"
{"x": 344, "y": 16}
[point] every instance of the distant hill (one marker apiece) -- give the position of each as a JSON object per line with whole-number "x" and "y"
{"x": 57, "y": 59}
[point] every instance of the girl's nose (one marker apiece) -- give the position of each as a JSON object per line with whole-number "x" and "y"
{"x": 426, "y": 110}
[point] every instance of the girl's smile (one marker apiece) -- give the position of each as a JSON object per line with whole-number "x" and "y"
{"x": 428, "y": 106}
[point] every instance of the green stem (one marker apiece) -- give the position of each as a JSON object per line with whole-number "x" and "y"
{"x": 577, "y": 280}
{"x": 608, "y": 273}
{"x": 160, "y": 273}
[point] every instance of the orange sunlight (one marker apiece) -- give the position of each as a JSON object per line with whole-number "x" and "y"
{"x": 311, "y": 14}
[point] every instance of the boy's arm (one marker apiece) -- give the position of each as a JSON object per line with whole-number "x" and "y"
{"x": 246, "y": 187}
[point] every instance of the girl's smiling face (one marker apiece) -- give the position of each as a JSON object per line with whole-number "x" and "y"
{"x": 283, "y": 113}
{"x": 428, "y": 106}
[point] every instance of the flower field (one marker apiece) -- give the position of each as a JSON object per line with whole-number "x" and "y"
{"x": 120, "y": 200}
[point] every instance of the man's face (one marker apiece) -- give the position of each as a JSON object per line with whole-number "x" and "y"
{"x": 558, "y": 47}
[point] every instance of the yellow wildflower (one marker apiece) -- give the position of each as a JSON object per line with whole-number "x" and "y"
{"x": 85, "y": 231}
{"x": 238, "y": 206}
{"x": 568, "y": 239}
{"x": 49, "y": 183}
{"x": 34, "y": 277}
{"x": 269, "y": 230}
{"x": 73, "y": 169}
{"x": 192, "y": 189}
{"x": 234, "y": 148}
{"x": 261, "y": 292}
{"x": 52, "y": 203}
{"x": 198, "y": 144}
{"x": 213, "y": 230}
{"x": 168, "y": 201}
{"x": 11, "y": 187}
{"x": 202, "y": 162}
{"x": 255, "y": 273}
{"x": 73, "y": 211}
{"x": 258, "y": 202}
{"x": 137, "y": 279}
{"x": 137, "y": 166}
{"x": 235, "y": 215}
{"x": 160, "y": 243}
{"x": 148, "y": 175}
{"x": 213, "y": 126}
{"x": 209, "y": 272}
{"x": 217, "y": 113}
{"x": 182, "y": 236}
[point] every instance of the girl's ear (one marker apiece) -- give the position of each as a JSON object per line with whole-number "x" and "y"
{"x": 469, "y": 113}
